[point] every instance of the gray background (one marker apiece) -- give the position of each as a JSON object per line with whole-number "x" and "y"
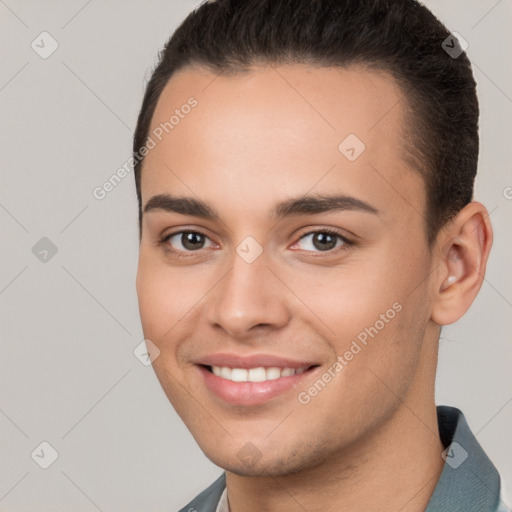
{"x": 70, "y": 324}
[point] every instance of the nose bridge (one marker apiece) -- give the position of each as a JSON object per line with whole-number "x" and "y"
{"x": 248, "y": 295}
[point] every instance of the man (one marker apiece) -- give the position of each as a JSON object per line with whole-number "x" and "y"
{"x": 305, "y": 170}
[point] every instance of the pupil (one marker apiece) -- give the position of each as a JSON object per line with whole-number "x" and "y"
{"x": 324, "y": 241}
{"x": 192, "y": 240}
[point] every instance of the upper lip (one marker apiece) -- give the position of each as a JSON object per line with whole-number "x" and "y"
{"x": 252, "y": 361}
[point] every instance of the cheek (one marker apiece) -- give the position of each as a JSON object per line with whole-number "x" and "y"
{"x": 344, "y": 301}
{"x": 165, "y": 296}
{"x": 365, "y": 310}
{"x": 152, "y": 299}
{"x": 163, "y": 303}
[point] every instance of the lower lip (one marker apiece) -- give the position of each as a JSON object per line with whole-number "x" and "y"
{"x": 250, "y": 393}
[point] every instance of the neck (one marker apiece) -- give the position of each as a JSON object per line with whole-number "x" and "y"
{"x": 397, "y": 468}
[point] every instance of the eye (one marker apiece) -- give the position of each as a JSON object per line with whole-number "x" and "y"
{"x": 323, "y": 241}
{"x": 186, "y": 241}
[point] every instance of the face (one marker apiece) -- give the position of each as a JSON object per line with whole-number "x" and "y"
{"x": 288, "y": 296}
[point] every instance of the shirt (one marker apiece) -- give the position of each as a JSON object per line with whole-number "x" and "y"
{"x": 469, "y": 482}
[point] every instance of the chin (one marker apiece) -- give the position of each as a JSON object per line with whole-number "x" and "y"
{"x": 253, "y": 464}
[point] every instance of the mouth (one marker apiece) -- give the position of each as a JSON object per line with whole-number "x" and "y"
{"x": 241, "y": 382}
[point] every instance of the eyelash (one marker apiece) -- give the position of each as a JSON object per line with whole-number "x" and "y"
{"x": 329, "y": 231}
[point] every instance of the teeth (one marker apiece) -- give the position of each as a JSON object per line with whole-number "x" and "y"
{"x": 259, "y": 374}
{"x": 273, "y": 373}
{"x": 239, "y": 375}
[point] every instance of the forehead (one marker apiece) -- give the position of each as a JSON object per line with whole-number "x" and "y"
{"x": 277, "y": 131}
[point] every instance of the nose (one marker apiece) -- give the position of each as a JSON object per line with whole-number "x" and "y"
{"x": 249, "y": 298}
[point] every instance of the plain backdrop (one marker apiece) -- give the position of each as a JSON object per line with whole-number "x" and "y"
{"x": 70, "y": 318}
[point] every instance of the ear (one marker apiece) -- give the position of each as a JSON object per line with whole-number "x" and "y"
{"x": 462, "y": 250}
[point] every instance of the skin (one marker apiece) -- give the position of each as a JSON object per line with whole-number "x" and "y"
{"x": 369, "y": 440}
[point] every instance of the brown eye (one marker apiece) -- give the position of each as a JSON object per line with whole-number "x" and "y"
{"x": 322, "y": 241}
{"x": 186, "y": 241}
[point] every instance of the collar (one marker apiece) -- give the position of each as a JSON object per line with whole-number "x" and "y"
{"x": 469, "y": 481}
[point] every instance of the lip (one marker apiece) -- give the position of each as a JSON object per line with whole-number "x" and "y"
{"x": 251, "y": 393}
{"x": 252, "y": 361}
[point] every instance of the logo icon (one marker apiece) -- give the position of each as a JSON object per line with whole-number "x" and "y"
{"x": 44, "y": 455}
{"x": 44, "y": 250}
{"x": 44, "y": 45}
{"x": 455, "y": 455}
{"x": 351, "y": 147}
{"x": 249, "y": 454}
{"x": 146, "y": 352}
{"x": 249, "y": 249}
{"x": 454, "y": 45}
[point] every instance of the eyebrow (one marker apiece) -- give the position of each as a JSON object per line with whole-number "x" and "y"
{"x": 306, "y": 205}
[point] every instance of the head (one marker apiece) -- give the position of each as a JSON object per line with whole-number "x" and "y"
{"x": 322, "y": 172}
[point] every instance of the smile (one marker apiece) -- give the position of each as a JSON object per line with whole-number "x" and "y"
{"x": 253, "y": 381}
{"x": 259, "y": 374}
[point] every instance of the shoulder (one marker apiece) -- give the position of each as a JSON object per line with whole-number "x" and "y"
{"x": 208, "y": 499}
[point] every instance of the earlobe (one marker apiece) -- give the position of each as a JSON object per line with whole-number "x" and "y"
{"x": 462, "y": 260}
